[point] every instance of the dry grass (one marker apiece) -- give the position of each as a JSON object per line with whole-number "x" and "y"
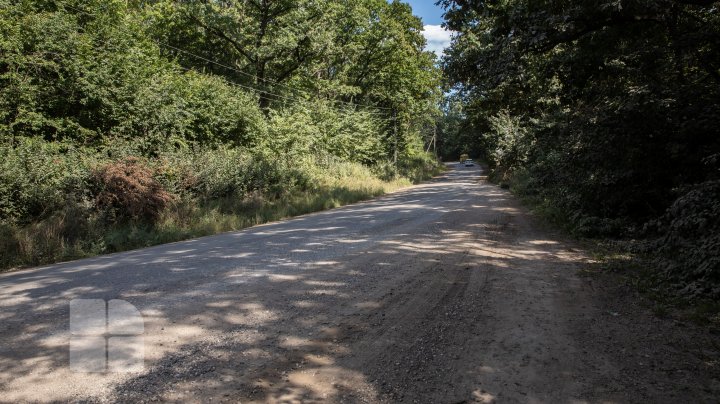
{"x": 76, "y": 233}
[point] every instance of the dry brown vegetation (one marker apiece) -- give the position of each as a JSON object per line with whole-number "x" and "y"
{"x": 128, "y": 190}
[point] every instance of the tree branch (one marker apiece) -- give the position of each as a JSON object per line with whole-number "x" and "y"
{"x": 220, "y": 34}
{"x": 589, "y": 27}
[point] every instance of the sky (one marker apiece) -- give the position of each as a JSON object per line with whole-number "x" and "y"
{"x": 437, "y": 37}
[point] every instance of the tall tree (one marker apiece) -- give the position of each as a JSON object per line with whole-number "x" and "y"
{"x": 271, "y": 40}
{"x": 613, "y": 98}
{"x": 365, "y": 52}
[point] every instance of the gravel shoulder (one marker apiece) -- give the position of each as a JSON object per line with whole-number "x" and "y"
{"x": 446, "y": 292}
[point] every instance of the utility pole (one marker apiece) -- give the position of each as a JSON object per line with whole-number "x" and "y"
{"x": 432, "y": 142}
{"x": 395, "y": 157}
{"x": 435, "y": 140}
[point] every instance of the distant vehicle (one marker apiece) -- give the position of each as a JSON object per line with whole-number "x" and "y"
{"x": 469, "y": 163}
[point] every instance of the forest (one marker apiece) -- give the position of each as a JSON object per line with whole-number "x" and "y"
{"x": 603, "y": 115}
{"x": 130, "y": 123}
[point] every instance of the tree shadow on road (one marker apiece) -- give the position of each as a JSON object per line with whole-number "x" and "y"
{"x": 433, "y": 294}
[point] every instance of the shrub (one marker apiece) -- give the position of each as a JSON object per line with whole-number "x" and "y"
{"x": 128, "y": 190}
{"x": 38, "y": 178}
{"x": 419, "y": 167}
{"x": 688, "y": 254}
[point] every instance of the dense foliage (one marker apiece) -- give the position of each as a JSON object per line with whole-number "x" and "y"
{"x": 118, "y": 113}
{"x": 602, "y": 112}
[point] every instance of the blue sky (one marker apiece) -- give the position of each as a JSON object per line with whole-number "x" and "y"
{"x": 427, "y": 10}
{"x": 438, "y": 38}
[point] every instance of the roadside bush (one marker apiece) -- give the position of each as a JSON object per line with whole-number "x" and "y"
{"x": 38, "y": 178}
{"x": 509, "y": 139}
{"x": 688, "y": 253}
{"x": 190, "y": 107}
{"x": 128, "y": 191}
{"x": 226, "y": 172}
{"x": 219, "y": 173}
{"x": 60, "y": 202}
{"x": 419, "y": 167}
{"x": 325, "y": 129}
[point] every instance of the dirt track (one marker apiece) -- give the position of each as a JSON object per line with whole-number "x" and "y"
{"x": 445, "y": 292}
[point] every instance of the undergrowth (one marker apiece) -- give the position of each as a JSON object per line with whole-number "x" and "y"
{"x": 673, "y": 260}
{"x": 60, "y": 203}
{"x": 639, "y": 271}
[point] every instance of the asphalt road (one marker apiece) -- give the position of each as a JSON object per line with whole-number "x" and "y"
{"x": 444, "y": 292}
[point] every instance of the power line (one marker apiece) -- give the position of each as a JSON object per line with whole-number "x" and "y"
{"x": 244, "y": 87}
{"x": 230, "y": 83}
{"x": 255, "y": 77}
{"x": 160, "y": 43}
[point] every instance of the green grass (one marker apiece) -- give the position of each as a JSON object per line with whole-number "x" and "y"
{"x": 76, "y": 232}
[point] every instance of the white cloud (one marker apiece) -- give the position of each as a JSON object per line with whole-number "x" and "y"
{"x": 438, "y": 38}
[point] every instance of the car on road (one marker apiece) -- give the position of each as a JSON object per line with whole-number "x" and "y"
{"x": 469, "y": 163}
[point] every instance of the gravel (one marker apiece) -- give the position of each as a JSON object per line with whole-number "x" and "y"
{"x": 445, "y": 292}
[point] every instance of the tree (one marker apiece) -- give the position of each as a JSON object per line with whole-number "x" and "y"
{"x": 616, "y": 98}
{"x": 368, "y": 53}
{"x": 270, "y": 40}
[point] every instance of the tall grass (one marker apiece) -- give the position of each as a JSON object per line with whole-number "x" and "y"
{"x": 213, "y": 192}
